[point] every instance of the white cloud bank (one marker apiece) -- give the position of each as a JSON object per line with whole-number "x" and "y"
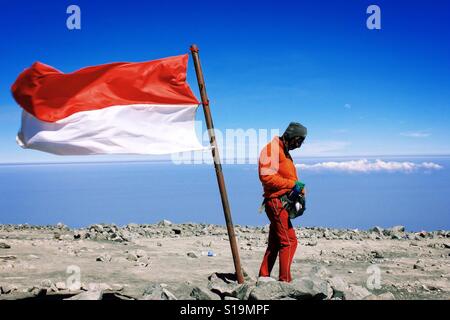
{"x": 416, "y": 134}
{"x": 365, "y": 165}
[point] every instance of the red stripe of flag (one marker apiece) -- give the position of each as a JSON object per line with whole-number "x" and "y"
{"x": 51, "y": 95}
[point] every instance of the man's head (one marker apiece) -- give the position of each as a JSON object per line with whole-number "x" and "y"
{"x": 294, "y": 135}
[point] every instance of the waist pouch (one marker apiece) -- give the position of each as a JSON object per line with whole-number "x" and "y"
{"x": 295, "y": 207}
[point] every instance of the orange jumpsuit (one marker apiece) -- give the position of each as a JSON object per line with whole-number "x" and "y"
{"x": 278, "y": 175}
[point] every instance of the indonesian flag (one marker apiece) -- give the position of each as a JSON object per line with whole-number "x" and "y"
{"x": 117, "y": 108}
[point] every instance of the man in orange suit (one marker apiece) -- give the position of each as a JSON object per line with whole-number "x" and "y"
{"x": 278, "y": 176}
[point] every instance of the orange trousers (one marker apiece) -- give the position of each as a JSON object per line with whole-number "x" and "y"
{"x": 282, "y": 241}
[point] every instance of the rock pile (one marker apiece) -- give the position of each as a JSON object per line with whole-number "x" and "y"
{"x": 165, "y": 228}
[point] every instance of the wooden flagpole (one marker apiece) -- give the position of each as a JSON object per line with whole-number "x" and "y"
{"x": 217, "y": 164}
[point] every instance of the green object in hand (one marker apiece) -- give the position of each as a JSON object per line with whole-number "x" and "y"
{"x": 299, "y": 186}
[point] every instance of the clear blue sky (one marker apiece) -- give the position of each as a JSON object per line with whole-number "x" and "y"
{"x": 359, "y": 91}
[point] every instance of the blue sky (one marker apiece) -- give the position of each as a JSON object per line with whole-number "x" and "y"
{"x": 359, "y": 91}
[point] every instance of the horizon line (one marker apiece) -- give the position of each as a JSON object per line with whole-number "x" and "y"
{"x": 164, "y": 161}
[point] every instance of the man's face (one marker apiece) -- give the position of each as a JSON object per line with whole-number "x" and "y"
{"x": 295, "y": 143}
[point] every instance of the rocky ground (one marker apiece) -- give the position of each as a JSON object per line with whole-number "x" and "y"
{"x": 193, "y": 261}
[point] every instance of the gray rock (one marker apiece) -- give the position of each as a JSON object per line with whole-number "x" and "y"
{"x": 355, "y": 292}
{"x": 271, "y": 290}
{"x": 97, "y": 228}
{"x": 165, "y": 223}
{"x": 307, "y": 288}
{"x": 4, "y": 245}
{"x": 398, "y": 229}
{"x": 311, "y": 243}
{"x": 397, "y": 232}
{"x": 8, "y": 257}
{"x": 320, "y": 272}
{"x": 183, "y": 291}
{"x": 377, "y": 230}
{"x": 132, "y": 257}
{"x": 419, "y": 265}
{"x": 140, "y": 253}
{"x": 104, "y": 258}
{"x": 242, "y": 291}
{"x": 37, "y": 291}
{"x": 176, "y": 230}
{"x": 79, "y": 235}
{"x": 157, "y": 292}
{"x": 88, "y": 295}
{"x": 61, "y": 225}
{"x": 46, "y": 283}
{"x": 192, "y": 254}
{"x": 199, "y": 293}
{"x": 339, "y": 287}
{"x": 60, "y": 285}
{"x": 8, "y": 289}
{"x": 376, "y": 254}
{"x": 222, "y": 284}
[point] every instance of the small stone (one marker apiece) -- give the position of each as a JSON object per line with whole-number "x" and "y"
{"x": 46, "y": 283}
{"x": 60, "y": 285}
{"x": 157, "y": 292}
{"x": 419, "y": 266}
{"x": 61, "y": 225}
{"x": 398, "y": 229}
{"x": 176, "y": 230}
{"x": 377, "y": 254}
{"x": 320, "y": 272}
{"x": 7, "y": 289}
{"x": 80, "y": 235}
{"x": 377, "y": 230}
{"x": 132, "y": 257}
{"x": 350, "y": 271}
{"x": 339, "y": 287}
{"x": 140, "y": 253}
{"x": 104, "y": 258}
{"x": 165, "y": 223}
{"x": 192, "y": 254}
{"x": 4, "y": 245}
{"x": 356, "y": 293}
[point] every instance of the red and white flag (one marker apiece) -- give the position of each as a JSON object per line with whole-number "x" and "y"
{"x": 117, "y": 108}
